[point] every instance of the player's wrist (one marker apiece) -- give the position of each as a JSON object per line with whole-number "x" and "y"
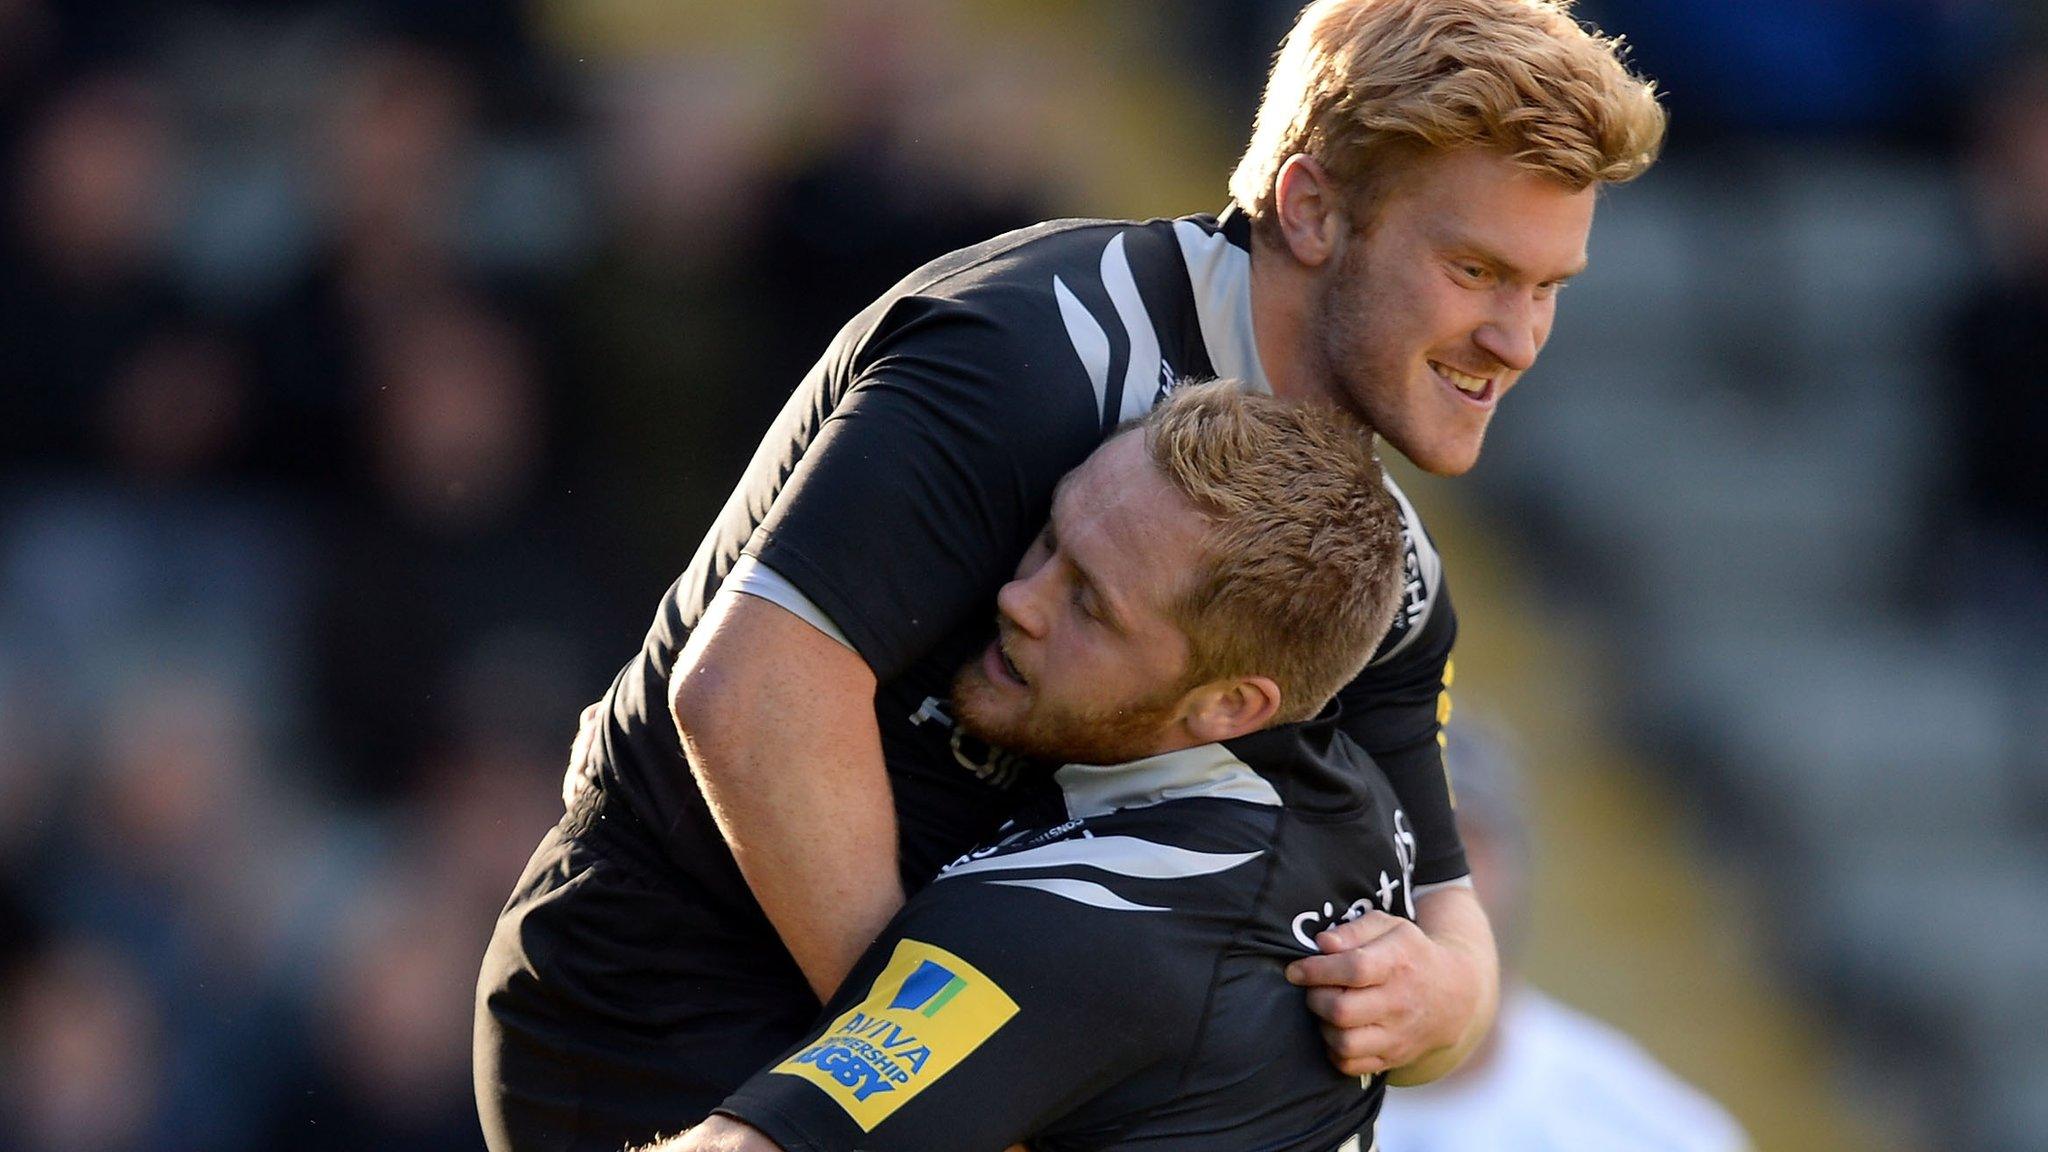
{"x": 1461, "y": 1009}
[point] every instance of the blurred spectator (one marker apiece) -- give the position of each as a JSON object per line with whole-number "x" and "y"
{"x": 95, "y": 583}
{"x": 457, "y": 546}
{"x": 891, "y": 180}
{"x": 1891, "y": 68}
{"x": 1999, "y": 386}
{"x": 84, "y": 1058}
{"x": 195, "y": 864}
{"x": 390, "y": 1025}
{"x": 391, "y": 155}
{"x": 398, "y": 147}
{"x": 478, "y": 807}
{"x": 179, "y": 408}
{"x": 670, "y": 345}
{"x": 82, "y": 263}
{"x": 1548, "y": 1079}
{"x": 389, "y": 1020}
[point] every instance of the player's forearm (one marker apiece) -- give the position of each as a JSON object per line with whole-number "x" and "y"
{"x": 818, "y": 851}
{"x": 1470, "y": 987}
{"x": 779, "y": 727}
{"x": 717, "y": 1134}
{"x": 724, "y": 1134}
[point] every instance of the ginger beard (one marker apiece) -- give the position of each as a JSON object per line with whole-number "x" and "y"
{"x": 988, "y": 707}
{"x": 1444, "y": 296}
{"x": 1371, "y": 330}
{"x": 1089, "y": 665}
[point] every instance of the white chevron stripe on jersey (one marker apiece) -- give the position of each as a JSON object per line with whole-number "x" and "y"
{"x": 1091, "y": 343}
{"x": 1221, "y": 273}
{"x": 1141, "y": 371}
{"x": 1081, "y": 892}
{"x": 1131, "y": 856}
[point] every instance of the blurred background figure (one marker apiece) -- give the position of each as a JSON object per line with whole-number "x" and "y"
{"x": 367, "y": 369}
{"x": 87, "y": 1067}
{"x": 1999, "y": 538}
{"x": 1549, "y": 1078}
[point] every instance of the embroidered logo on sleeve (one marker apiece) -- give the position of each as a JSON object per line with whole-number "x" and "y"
{"x": 925, "y": 1013}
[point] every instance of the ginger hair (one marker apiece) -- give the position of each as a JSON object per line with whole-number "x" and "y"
{"x": 1303, "y": 560}
{"x": 1368, "y": 87}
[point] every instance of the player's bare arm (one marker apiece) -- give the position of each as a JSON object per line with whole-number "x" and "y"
{"x": 1391, "y": 248}
{"x": 1043, "y": 1020}
{"x": 778, "y": 721}
{"x": 725, "y": 1134}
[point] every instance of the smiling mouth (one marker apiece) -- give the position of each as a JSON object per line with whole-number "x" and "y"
{"x": 1479, "y": 388}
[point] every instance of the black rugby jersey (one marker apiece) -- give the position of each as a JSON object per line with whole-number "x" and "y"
{"x": 910, "y": 470}
{"x": 1111, "y": 977}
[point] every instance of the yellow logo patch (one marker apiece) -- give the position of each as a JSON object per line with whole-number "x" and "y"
{"x": 925, "y": 1013}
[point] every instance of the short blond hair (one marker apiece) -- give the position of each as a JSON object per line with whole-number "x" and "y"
{"x": 1303, "y": 557}
{"x": 1365, "y": 87}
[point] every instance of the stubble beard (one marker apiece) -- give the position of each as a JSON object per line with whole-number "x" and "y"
{"x": 1109, "y": 736}
{"x": 1358, "y": 382}
{"x": 1379, "y": 391}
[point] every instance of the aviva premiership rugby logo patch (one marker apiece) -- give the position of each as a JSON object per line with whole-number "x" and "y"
{"x": 925, "y": 1013}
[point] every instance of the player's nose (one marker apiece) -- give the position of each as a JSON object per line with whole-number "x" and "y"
{"x": 1019, "y": 603}
{"x": 1513, "y": 336}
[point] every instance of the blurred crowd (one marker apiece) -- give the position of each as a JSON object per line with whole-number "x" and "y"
{"x": 368, "y": 369}
{"x": 365, "y": 375}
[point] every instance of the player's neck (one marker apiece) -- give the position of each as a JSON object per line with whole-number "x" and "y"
{"x": 1286, "y": 302}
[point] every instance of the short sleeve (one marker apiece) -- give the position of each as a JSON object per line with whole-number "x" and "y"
{"x": 984, "y": 1013}
{"x": 1394, "y": 710}
{"x": 925, "y": 482}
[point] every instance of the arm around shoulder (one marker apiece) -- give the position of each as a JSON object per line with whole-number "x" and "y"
{"x": 777, "y": 719}
{"x": 716, "y": 1134}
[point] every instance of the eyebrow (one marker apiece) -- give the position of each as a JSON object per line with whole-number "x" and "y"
{"x": 1460, "y": 242}
{"x": 1112, "y": 610}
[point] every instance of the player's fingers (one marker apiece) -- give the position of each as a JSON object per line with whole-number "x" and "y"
{"x": 1360, "y": 954}
{"x": 1357, "y": 1052}
{"x": 1339, "y": 970}
{"x": 1362, "y": 1007}
{"x": 1360, "y": 932}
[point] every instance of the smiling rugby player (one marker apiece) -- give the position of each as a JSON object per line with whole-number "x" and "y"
{"x": 764, "y": 781}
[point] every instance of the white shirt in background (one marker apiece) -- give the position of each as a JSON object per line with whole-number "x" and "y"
{"x": 1557, "y": 1081}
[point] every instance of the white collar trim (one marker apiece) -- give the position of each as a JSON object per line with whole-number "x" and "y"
{"x": 1221, "y": 274}
{"x": 1209, "y": 770}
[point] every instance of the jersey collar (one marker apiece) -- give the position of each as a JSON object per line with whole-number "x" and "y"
{"x": 1209, "y": 770}
{"x": 1219, "y": 261}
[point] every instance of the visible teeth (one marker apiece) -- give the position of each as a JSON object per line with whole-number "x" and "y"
{"x": 1465, "y": 381}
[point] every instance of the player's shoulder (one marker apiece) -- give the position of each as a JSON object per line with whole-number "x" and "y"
{"x": 1134, "y": 869}
{"x": 1425, "y": 608}
{"x": 1097, "y": 312}
{"x": 1173, "y": 873}
{"x": 1051, "y": 265}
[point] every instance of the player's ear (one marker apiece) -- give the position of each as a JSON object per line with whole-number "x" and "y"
{"x": 1311, "y": 211}
{"x": 1226, "y": 709}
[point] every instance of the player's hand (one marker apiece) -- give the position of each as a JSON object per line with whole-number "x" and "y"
{"x": 715, "y": 1134}
{"x": 577, "y": 777}
{"x": 1386, "y": 993}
